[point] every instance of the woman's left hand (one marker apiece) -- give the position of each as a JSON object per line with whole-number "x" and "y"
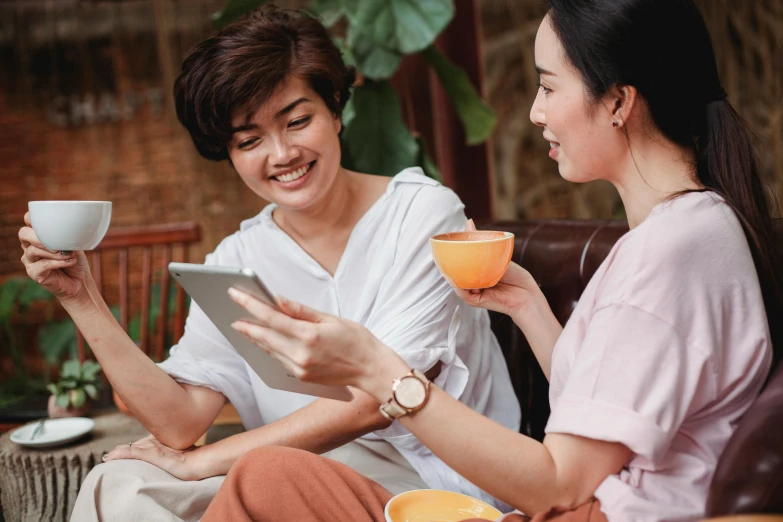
{"x": 313, "y": 346}
{"x": 185, "y": 465}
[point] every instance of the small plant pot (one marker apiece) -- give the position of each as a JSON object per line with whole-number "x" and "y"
{"x": 55, "y": 412}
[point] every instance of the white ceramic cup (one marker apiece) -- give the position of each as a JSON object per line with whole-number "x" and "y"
{"x": 70, "y": 225}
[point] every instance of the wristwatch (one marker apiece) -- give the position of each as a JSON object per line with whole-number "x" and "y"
{"x": 409, "y": 394}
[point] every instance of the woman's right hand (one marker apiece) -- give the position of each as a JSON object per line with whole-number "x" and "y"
{"x": 64, "y": 274}
{"x": 515, "y": 292}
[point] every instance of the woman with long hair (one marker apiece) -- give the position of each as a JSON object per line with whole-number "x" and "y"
{"x": 669, "y": 344}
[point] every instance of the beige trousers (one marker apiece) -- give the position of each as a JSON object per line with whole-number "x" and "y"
{"x": 133, "y": 490}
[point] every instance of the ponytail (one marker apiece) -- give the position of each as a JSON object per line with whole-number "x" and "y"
{"x": 727, "y": 165}
{"x": 620, "y": 42}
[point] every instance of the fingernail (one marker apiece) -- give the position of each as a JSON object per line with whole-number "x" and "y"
{"x": 234, "y": 293}
{"x": 235, "y": 326}
{"x": 104, "y": 456}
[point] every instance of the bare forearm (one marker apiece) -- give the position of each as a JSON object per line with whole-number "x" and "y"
{"x": 318, "y": 427}
{"x": 513, "y": 468}
{"x": 161, "y": 404}
{"x": 506, "y": 464}
{"x": 564, "y": 471}
{"x": 541, "y": 329}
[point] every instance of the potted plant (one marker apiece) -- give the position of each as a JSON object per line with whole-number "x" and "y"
{"x": 77, "y": 386}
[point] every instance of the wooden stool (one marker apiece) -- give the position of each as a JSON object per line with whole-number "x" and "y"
{"x": 42, "y": 484}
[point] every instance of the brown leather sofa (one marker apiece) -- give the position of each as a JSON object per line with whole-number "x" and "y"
{"x": 562, "y": 256}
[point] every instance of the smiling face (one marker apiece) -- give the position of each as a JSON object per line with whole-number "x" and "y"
{"x": 582, "y": 139}
{"x": 288, "y": 152}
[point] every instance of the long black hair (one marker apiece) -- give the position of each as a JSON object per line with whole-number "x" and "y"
{"x": 663, "y": 49}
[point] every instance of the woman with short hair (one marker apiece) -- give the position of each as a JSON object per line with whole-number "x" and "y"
{"x": 266, "y": 93}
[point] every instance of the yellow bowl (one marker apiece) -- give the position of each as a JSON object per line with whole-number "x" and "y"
{"x": 473, "y": 260}
{"x": 434, "y": 505}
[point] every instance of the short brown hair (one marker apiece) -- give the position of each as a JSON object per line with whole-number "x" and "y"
{"x": 239, "y": 68}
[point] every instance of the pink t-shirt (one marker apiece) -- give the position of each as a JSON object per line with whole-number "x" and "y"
{"x": 667, "y": 348}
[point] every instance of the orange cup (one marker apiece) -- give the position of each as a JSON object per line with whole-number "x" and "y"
{"x": 473, "y": 259}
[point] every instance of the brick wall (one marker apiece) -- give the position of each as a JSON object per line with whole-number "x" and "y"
{"x": 87, "y": 115}
{"x": 56, "y": 142}
{"x": 146, "y": 167}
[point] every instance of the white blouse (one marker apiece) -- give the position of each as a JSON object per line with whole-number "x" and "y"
{"x": 385, "y": 280}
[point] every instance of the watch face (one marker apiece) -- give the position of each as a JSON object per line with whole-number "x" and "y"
{"x": 410, "y": 393}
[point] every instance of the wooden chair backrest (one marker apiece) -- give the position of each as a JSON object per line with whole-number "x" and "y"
{"x": 168, "y": 238}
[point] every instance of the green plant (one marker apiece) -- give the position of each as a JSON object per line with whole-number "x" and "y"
{"x": 78, "y": 381}
{"x": 57, "y": 339}
{"x": 378, "y": 35}
{"x": 14, "y": 389}
{"x": 16, "y": 296}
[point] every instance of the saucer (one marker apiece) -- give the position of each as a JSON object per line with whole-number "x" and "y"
{"x": 55, "y": 432}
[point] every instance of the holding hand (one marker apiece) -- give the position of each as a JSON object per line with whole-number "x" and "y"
{"x": 185, "y": 465}
{"x": 514, "y": 294}
{"x": 64, "y": 274}
{"x": 313, "y": 346}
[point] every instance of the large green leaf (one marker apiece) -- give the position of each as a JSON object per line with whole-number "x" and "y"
{"x": 32, "y": 292}
{"x": 62, "y": 400}
{"x": 71, "y": 368}
{"x": 233, "y": 10}
{"x": 91, "y": 390}
{"x": 8, "y": 294}
{"x": 329, "y": 11}
{"x": 69, "y": 384}
{"x": 478, "y": 119}
{"x": 56, "y": 339}
{"x": 405, "y": 26}
{"x": 373, "y": 60}
{"x": 377, "y": 141}
{"x": 89, "y": 370}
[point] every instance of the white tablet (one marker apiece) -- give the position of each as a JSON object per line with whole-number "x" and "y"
{"x": 208, "y": 287}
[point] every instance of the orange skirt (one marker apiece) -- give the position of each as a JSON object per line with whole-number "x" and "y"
{"x": 286, "y": 484}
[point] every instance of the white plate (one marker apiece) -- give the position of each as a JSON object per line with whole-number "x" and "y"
{"x": 54, "y": 433}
